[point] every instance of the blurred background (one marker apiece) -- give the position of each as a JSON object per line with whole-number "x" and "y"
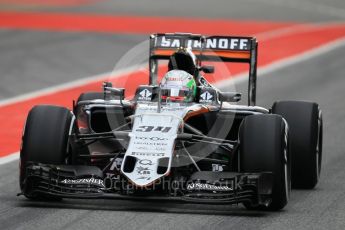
{"x": 49, "y": 42}
{"x": 52, "y": 50}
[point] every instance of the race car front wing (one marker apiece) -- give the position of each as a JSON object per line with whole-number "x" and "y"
{"x": 67, "y": 181}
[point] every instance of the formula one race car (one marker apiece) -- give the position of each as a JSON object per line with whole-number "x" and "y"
{"x": 180, "y": 139}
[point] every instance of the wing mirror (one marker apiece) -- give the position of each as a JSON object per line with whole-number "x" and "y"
{"x": 229, "y": 96}
{"x": 110, "y": 92}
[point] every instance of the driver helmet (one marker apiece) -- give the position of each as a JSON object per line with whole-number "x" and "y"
{"x": 183, "y": 59}
{"x": 178, "y": 85}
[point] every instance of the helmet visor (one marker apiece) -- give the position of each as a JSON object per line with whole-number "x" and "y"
{"x": 176, "y": 94}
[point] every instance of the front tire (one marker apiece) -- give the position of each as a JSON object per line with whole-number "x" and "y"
{"x": 45, "y": 138}
{"x": 264, "y": 148}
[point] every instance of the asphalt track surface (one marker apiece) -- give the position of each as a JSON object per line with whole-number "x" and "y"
{"x": 32, "y": 60}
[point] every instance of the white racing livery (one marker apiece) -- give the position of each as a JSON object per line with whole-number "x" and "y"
{"x": 180, "y": 139}
{"x": 152, "y": 138}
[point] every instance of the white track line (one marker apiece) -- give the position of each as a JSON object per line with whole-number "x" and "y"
{"x": 283, "y": 63}
{"x": 69, "y": 85}
{"x": 104, "y": 76}
{"x": 9, "y": 158}
{"x": 235, "y": 79}
{"x": 294, "y": 29}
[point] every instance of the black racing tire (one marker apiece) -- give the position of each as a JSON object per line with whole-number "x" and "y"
{"x": 264, "y": 148}
{"x": 305, "y": 125}
{"x": 45, "y": 138}
{"x": 90, "y": 96}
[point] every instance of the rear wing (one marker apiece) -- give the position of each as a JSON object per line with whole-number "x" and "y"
{"x": 211, "y": 48}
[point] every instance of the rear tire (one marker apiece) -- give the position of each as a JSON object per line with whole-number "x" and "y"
{"x": 305, "y": 127}
{"x": 45, "y": 138}
{"x": 264, "y": 148}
